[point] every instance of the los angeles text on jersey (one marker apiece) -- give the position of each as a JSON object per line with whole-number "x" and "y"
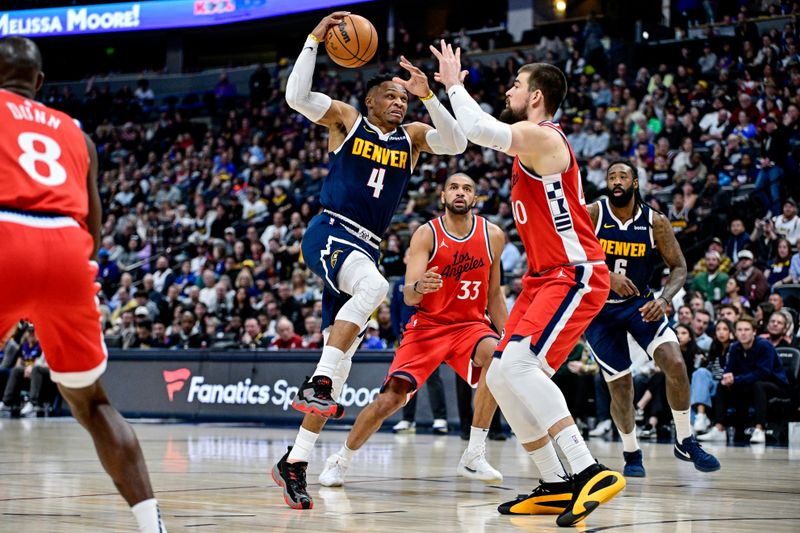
{"x": 462, "y": 263}
{"x": 379, "y": 154}
{"x": 626, "y": 249}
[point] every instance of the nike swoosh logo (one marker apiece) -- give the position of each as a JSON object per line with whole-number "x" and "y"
{"x": 683, "y": 453}
{"x": 307, "y": 48}
{"x": 468, "y": 469}
{"x": 609, "y": 226}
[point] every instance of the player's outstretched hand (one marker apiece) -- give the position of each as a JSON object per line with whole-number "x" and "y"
{"x": 450, "y": 72}
{"x": 417, "y": 84}
{"x": 622, "y": 285}
{"x": 326, "y": 23}
{"x": 431, "y": 281}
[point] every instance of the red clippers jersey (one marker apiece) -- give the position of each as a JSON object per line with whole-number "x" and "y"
{"x": 464, "y": 265}
{"x": 551, "y": 217}
{"x": 44, "y": 160}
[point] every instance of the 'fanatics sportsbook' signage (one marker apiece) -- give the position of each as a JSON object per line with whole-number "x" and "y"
{"x": 242, "y": 386}
{"x": 153, "y": 15}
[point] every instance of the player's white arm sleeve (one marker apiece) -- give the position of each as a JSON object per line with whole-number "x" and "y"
{"x": 479, "y": 126}
{"x": 312, "y": 105}
{"x": 447, "y": 137}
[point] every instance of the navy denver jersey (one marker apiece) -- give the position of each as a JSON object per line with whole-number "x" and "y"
{"x": 368, "y": 175}
{"x": 630, "y": 247}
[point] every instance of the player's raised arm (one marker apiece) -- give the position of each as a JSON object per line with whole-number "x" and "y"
{"x": 420, "y": 281}
{"x": 524, "y": 137}
{"x": 496, "y": 306}
{"x": 670, "y": 250}
{"x": 446, "y": 137}
{"x": 317, "y": 107}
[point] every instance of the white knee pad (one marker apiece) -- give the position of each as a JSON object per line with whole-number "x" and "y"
{"x": 359, "y": 277}
{"x": 523, "y": 372}
{"x": 521, "y": 420}
{"x": 342, "y": 371}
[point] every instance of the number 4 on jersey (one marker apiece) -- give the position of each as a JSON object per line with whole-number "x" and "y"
{"x": 376, "y": 181}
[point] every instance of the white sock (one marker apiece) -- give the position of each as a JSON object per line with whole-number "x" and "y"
{"x": 574, "y": 448}
{"x": 547, "y": 461}
{"x": 477, "y": 438}
{"x": 148, "y": 516}
{"x": 346, "y": 453}
{"x": 683, "y": 425}
{"x": 303, "y": 444}
{"x": 328, "y": 362}
{"x": 629, "y": 443}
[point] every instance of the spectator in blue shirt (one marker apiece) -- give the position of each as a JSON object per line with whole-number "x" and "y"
{"x": 108, "y": 272}
{"x": 29, "y": 351}
{"x": 753, "y": 375}
{"x": 372, "y": 340}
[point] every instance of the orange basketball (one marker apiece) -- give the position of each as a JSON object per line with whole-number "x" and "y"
{"x": 352, "y": 42}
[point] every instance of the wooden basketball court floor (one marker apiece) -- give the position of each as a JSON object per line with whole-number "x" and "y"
{"x": 216, "y": 478}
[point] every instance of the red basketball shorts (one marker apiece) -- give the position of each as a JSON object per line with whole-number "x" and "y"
{"x": 46, "y": 278}
{"x": 426, "y": 346}
{"x": 554, "y": 309}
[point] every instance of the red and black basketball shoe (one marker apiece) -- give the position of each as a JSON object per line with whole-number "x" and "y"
{"x": 314, "y": 397}
{"x": 291, "y": 477}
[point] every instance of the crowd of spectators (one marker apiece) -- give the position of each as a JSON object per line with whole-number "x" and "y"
{"x": 205, "y": 208}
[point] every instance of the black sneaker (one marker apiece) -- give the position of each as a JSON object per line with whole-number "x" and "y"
{"x": 291, "y": 477}
{"x": 591, "y": 487}
{"x": 634, "y": 464}
{"x": 314, "y": 397}
{"x": 547, "y": 498}
{"x": 691, "y": 451}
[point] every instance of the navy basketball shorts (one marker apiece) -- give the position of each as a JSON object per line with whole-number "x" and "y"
{"x": 326, "y": 244}
{"x": 618, "y": 335}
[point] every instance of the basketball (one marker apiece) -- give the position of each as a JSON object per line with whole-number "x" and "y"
{"x": 353, "y": 42}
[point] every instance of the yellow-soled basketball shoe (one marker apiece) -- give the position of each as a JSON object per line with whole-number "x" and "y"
{"x": 547, "y": 498}
{"x": 591, "y": 487}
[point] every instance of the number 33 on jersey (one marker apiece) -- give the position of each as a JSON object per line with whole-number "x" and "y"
{"x": 44, "y": 159}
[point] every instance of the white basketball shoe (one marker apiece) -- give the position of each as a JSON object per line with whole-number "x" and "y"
{"x": 701, "y": 423}
{"x": 405, "y": 426}
{"x": 334, "y": 472}
{"x": 473, "y": 465}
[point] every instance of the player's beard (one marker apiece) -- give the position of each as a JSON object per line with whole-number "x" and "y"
{"x": 458, "y": 210}
{"x": 511, "y": 116}
{"x": 623, "y": 199}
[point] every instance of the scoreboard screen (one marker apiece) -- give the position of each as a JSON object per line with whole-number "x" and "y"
{"x": 153, "y": 15}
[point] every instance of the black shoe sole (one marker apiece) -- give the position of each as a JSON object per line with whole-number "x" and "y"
{"x": 597, "y": 496}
